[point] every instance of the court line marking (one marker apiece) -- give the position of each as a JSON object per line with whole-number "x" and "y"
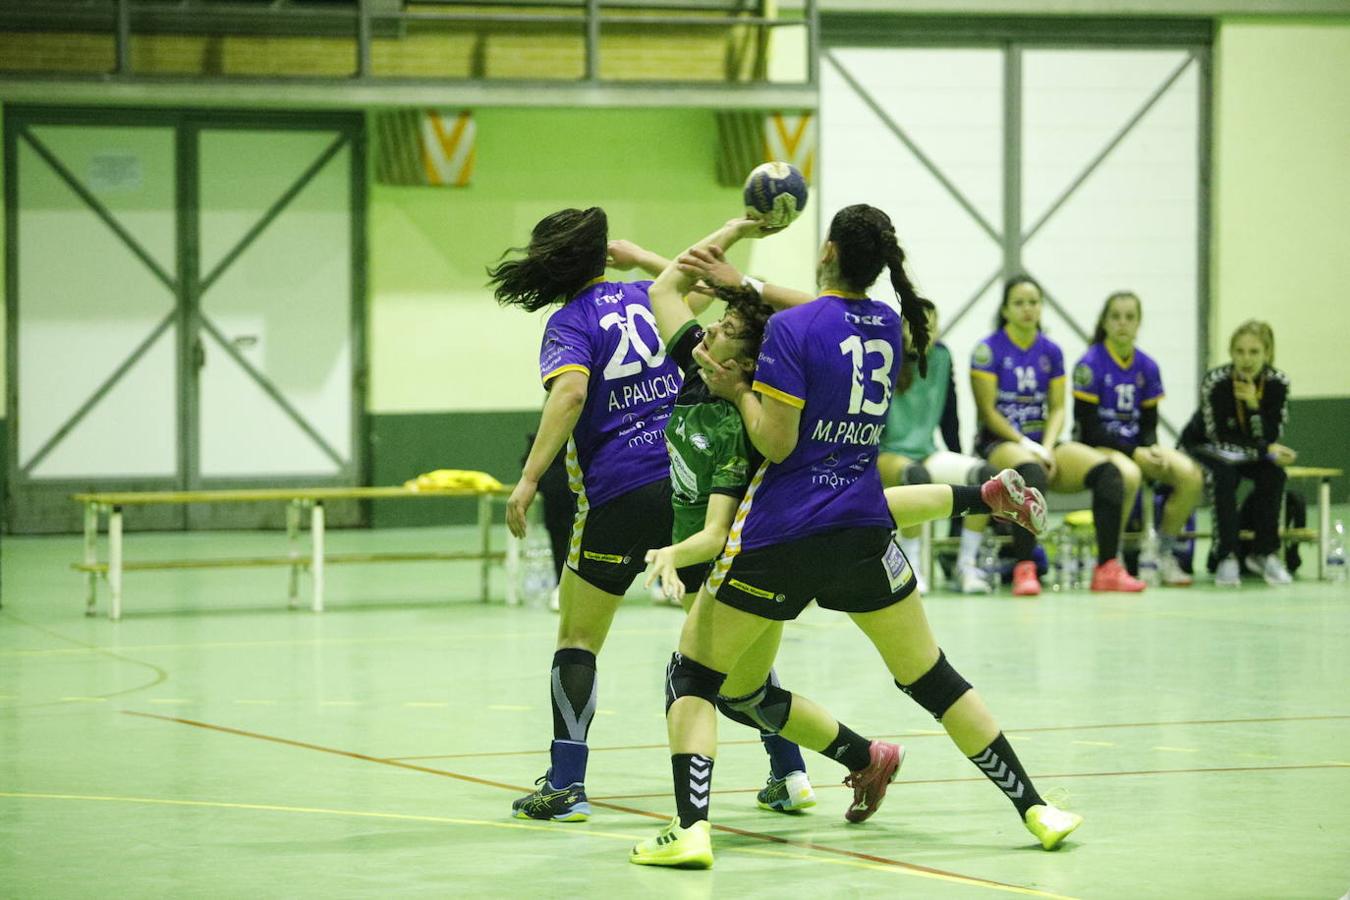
{"x": 1040, "y": 776}
{"x": 894, "y": 865}
{"x": 1102, "y": 744}
{"x": 917, "y": 733}
{"x": 588, "y": 831}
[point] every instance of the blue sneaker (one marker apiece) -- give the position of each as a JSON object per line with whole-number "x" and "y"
{"x": 567, "y": 804}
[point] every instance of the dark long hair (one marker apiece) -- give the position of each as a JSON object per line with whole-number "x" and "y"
{"x": 1099, "y": 333}
{"x": 1020, "y": 278}
{"x": 567, "y": 249}
{"x": 864, "y": 239}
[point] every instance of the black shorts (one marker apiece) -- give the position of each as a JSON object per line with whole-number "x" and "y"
{"x": 694, "y": 576}
{"x": 609, "y": 543}
{"x": 985, "y": 442}
{"x": 851, "y": 570}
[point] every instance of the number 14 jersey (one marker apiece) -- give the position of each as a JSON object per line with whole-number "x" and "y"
{"x": 836, "y": 359}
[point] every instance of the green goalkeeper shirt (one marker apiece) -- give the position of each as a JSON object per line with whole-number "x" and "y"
{"x": 710, "y": 452}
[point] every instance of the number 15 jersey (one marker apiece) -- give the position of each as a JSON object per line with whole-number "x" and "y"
{"x": 836, "y": 359}
{"x": 608, "y": 332}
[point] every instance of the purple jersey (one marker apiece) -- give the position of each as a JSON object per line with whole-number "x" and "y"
{"x": 836, "y": 360}
{"x": 1023, "y": 375}
{"x": 608, "y": 332}
{"x": 1119, "y": 389}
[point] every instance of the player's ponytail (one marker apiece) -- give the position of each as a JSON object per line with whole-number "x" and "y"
{"x": 913, "y": 307}
{"x": 566, "y": 250}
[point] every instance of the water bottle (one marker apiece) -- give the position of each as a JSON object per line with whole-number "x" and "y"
{"x": 1066, "y": 564}
{"x": 989, "y": 561}
{"x": 537, "y": 579}
{"x": 1336, "y": 553}
{"x": 1148, "y": 558}
{"x": 1087, "y": 560}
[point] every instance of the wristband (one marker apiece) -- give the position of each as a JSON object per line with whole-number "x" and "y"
{"x": 747, "y": 281}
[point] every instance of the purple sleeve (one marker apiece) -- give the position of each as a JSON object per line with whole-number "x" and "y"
{"x": 1056, "y": 362}
{"x": 1153, "y": 386}
{"x": 983, "y": 359}
{"x": 567, "y": 344}
{"x": 780, "y": 370}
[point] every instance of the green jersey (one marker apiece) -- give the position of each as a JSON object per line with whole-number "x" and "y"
{"x": 919, "y": 411}
{"x": 709, "y": 450}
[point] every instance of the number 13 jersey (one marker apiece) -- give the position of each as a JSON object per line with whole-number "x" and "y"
{"x": 836, "y": 359}
{"x": 608, "y": 332}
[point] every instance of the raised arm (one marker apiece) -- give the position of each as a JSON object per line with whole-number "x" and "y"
{"x": 710, "y": 264}
{"x": 668, "y": 290}
{"x": 625, "y": 255}
{"x": 772, "y": 424}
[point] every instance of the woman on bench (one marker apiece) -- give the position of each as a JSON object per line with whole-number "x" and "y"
{"x": 1235, "y": 435}
{"x": 1116, "y": 391}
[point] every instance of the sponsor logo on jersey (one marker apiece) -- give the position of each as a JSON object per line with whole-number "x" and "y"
{"x": 984, "y": 354}
{"x": 701, "y": 442}
{"x": 1082, "y": 376}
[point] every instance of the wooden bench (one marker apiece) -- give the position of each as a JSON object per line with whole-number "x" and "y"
{"x": 1321, "y": 534}
{"x": 111, "y": 505}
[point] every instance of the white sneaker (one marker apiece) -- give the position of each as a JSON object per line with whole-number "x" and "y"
{"x": 1173, "y": 575}
{"x": 972, "y": 581}
{"x": 1228, "y": 574}
{"x": 1270, "y": 568}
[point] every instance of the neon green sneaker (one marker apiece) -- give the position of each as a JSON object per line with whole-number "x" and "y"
{"x": 787, "y": 794}
{"x": 1051, "y": 824}
{"x": 684, "y": 848}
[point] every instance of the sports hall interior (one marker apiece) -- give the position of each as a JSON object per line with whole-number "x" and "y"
{"x": 245, "y": 250}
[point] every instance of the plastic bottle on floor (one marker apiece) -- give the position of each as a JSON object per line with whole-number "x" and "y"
{"x": 1148, "y": 558}
{"x": 1336, "y": 553}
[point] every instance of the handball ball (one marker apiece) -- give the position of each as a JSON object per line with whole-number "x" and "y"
{"x": 775, "y": 193}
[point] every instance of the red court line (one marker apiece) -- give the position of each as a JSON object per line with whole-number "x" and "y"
{"x": 917, "y": 735}
{"x": 768, "y": 838}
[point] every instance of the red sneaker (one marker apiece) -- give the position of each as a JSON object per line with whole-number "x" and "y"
{"x": 1111, "y": 576}
{"x": 1025, "y": 581}
{"x": 1009, "y": 498}
{"x": 869, "y": 784}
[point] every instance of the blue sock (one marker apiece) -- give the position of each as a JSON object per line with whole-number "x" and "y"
{"x": 569, "y": 763}
{"x": 784, "y": 756}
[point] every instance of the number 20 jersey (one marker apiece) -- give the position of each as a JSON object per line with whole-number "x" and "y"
{"x": 608, "y": 332}
{"x": 837, "y": 360}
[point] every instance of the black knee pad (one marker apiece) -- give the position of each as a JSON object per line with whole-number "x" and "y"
{"x": 982, "y": 473}
{"x": 686, "y": 678}
{"x": 917, "y": 473}
{"x": 1105, "y": 480}
{"x": 767, "y": 708}
{"x": 1034, "y": 475}
{"x": 938, "y": 688}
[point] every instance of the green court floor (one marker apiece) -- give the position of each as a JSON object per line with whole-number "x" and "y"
{"x": 215, "y": 744}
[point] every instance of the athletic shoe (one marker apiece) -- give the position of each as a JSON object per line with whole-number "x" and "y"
{"x": 972, "y": 581}
{"x": 684, "y": 848}
{"x": 1270, "y": 568}
{"x": 1111, "y": 576}
{"x": 1172, "y": 574}
{"x": 1008, "y": 497}
{"x": 788, "y": 794}
{"x": 1051, "y": 824}
{"x": 869, "y": 784}
{"x": 1026, "y": 583}
{"x": 567, "y": 804}
{"x": 1228, "y": 574}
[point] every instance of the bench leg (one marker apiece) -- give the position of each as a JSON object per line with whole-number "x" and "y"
{"x": 316, "y": 560}
{"x": 484, "y": 544}
{"x": 90, "y": 557}
{"x": 1323, "y": 526}
{"x": 115, "y": 562}
{"x": 293, "y": 550}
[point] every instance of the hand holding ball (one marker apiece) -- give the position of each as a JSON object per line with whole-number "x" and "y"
{"x": 775, "y": 193}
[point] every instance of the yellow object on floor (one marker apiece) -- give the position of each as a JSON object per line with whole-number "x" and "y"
{"x": 453, "y": 478}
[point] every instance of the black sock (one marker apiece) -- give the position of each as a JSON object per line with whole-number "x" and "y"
{"x": 1000, "y": 765}
{"x": 1108, "y": 504}
{"x": 1023, "y": 541}
{"x": 573, "y": 694}
{"x": 693, "y": 784}
{"x": 850, "y": 749}
{"x": 966, "y": 500}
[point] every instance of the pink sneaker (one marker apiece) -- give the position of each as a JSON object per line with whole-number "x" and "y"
{"x": 1111, "y": 576}
{"x": 869, "y": 784}
{"x": 1009, "y": 498}
{"x": 1026, "y": 583}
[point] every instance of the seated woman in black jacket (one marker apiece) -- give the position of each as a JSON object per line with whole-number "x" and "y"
{"x": 1235, "y": 434}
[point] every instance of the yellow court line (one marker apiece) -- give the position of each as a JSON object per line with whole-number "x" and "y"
{"x": 521, "y": 826}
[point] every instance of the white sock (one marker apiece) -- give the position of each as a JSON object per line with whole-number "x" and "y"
{"x": 970, "y": 547}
